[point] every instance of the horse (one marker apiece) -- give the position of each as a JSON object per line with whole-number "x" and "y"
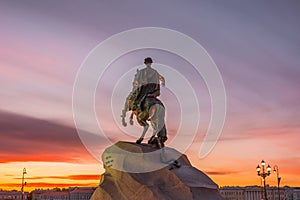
{"x": 150, "y": 109}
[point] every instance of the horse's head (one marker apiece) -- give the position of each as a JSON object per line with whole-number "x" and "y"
{"x": 131, "y": 97}
{"x": 136, "y": 83}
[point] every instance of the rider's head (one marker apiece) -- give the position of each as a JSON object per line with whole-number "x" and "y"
{"x": 148, "y": 61}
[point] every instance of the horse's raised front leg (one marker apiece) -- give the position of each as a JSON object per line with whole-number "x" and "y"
{"x": 123, "y": 116}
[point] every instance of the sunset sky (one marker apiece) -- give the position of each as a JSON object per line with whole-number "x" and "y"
{"x": 255, "y": 45}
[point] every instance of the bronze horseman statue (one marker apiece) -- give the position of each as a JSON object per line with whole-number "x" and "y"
{"x": 143, "y": 103}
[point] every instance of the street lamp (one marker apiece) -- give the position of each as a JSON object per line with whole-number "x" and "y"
{"x": 23, "y": 183}
{"x": 263, "y": 173}
{"x": 276, "y": 170}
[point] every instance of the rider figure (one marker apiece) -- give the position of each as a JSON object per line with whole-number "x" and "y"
{"x": 149, "y": 80}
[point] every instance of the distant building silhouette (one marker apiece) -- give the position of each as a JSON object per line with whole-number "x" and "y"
{"x": 256, "y": 193}
{"x": 8, "y": 195}
{"x": 55, "y": 195}
{"x": 292, "y": 193}
{"x": 73, "y": 193}
{"x": 82, "y": 193}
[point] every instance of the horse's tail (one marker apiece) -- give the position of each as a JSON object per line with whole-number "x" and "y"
{"x": 171, "y": 162}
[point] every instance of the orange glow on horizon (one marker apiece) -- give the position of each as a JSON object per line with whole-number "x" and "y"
{"x": 41, "y": 185}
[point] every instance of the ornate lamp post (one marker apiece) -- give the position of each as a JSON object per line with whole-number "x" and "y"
{"x": 276, "y": 170}
{"x": 264, "y": 173}
{"x": 23, "y": 183}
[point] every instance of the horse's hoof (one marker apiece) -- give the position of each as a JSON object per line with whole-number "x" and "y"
{"x": 177, "y": 164}
{"x": 151, "y": 140}
{"x": 124, "y": 122}
{"x": 139, "y": 141}
{"x": 164, "y": 139}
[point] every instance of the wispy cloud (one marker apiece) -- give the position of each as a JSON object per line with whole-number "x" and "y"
{"x": 221, "y": 172}
{"x": 9, "y": 175}
{"x": 25, "y": 138}
{"x": 71, "y": 177}
{"x": 48, "y": 185}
